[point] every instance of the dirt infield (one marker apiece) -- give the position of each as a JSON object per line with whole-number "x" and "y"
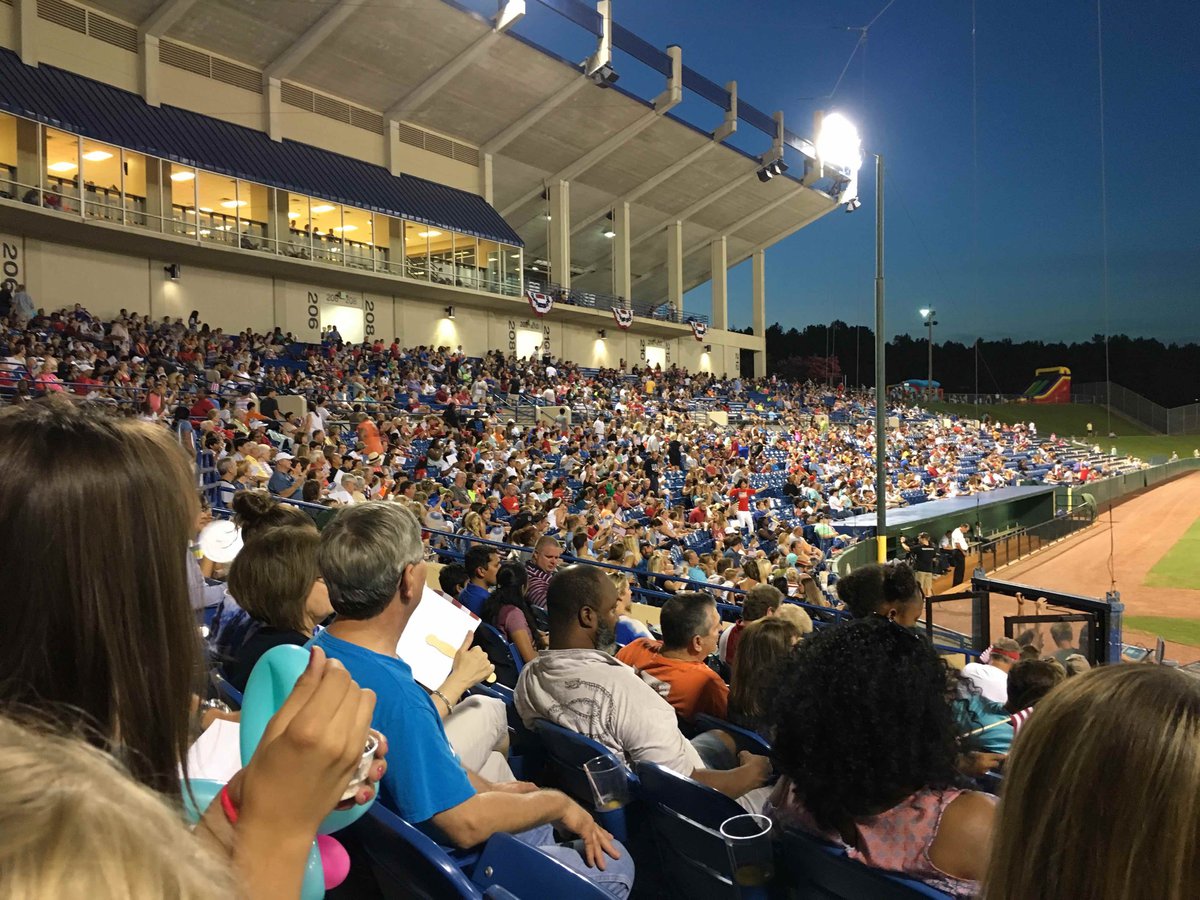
{"x": 1143, "y": 530}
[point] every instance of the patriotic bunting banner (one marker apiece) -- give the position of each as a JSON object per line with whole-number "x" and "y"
{"x": 542, "y": 303}
{"x": 623, "y": 316}
{"x": 699, "y": 329}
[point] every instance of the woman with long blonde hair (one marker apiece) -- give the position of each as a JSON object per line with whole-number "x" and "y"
{"x": 1102, "y": 792}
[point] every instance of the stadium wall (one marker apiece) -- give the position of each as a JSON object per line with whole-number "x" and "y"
{"x": 60, "y": 274}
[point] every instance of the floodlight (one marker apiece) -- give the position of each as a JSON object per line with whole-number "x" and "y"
{"x": 174, "y": 271}
{"x": 852, "y": 204}
{"x": 925, "y": 313}
{"x": 449, "y": 312}
{"x": 838, "y": 142}
{"x": 604, "y": 77}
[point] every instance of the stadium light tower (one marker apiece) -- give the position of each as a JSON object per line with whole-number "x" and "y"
{"x": 928, "y": 315}
{"x": 838, "y": 144}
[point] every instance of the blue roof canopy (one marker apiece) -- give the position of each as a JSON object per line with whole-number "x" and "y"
{"x": 105, "y": 113}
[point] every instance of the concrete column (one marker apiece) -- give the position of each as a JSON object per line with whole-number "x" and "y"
{"x": 720, "y": 284}
{"x": 392, "y": 147}
{"x": 486, "y": 187}
{"x": 279, "y": 226}
{"x": 273, "y": 108}
{"x": 148, "y": 69}
{"x": 155, "y": 194}
{"x": 30, "y": 157}
{"x": 622, "y": 277}
{"x": 759, "y": 280}
{"x": 25, "y": 26}
{"x": 560, "y": 233}
{"x": 395, "y": 246}
{"x": 675, "y": 265}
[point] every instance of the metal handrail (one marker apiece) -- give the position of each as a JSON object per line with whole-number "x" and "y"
{"x": 597, "y": 300}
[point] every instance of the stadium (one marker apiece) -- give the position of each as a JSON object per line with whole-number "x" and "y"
{"x": 351, "y": 396}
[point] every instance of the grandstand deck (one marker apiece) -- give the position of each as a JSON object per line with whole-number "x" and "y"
{"x": 1023, "y": 503}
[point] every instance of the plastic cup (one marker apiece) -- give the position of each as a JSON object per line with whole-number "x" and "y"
{"x": 751, "y": 856}
{"x": 609, "y": 781}
{"x": 823, "y": 580}
{"x": 364, "y": 767}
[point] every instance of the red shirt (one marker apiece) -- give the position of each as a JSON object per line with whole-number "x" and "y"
{"x": 743, "y": 497}
{"x": 511, "y": 504}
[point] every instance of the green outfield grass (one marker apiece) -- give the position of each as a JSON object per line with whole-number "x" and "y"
{"x": 1070, "y": 420}
{"x": 1179, "y": 631}
{"x": 1180, "y": 567}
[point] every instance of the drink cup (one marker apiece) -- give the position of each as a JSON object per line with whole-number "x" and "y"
{"x": 751, "y": 856}
{"x": 609, "y": 781}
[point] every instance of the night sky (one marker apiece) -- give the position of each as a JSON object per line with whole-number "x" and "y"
{"x": 1014, "y": 251}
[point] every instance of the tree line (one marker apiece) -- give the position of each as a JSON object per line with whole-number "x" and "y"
{"x": 1165, "y": 373}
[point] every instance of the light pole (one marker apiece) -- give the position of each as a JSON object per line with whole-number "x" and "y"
{"x": 928, "y": 315}
{"x": 838, "y": 143}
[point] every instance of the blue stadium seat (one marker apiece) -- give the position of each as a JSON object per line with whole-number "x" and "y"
{"x": 566, "y": 752}
{"x": 745, "y": 739}
{"x": 685, "y": 822}
{"x": 813, "y": 870}
{"x": 407, "y": 863}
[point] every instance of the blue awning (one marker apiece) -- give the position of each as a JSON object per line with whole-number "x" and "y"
{"x": 105, "y": 113}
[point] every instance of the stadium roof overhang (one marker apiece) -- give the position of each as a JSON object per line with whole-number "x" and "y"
{"x": 442, "y": 67}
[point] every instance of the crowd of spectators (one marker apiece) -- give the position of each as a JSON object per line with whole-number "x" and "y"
{"x": 876, "y": 741}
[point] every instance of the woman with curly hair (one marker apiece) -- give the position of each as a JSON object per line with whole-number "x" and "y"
{"x": 865, "y": 735}
{"x": 889, "y": 591}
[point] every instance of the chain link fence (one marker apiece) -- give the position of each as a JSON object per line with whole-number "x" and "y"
{"x": 1179, "y": 420}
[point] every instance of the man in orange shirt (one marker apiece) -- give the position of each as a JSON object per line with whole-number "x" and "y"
{"x": 368, "y": 436}
{"x": 675, "y": 665}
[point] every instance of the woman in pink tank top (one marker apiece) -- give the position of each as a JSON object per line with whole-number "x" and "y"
{"x": 865, "y": 736}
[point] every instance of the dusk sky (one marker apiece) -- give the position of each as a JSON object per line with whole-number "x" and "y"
{"x": 1038, "y": 270}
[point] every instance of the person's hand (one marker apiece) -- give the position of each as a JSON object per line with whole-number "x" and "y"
{"x": 977, "y": 763}
{"x": 758, "y": 767}
{"x": 596, "y": 841}
{"x": 309, "y": 752}
{"x": 471, "y": 666}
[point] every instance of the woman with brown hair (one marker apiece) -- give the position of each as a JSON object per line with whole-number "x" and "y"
{"x": 98, "y": 513}
{"x": 275, "y": 579}
{"x": 761, "y": 652}
{"x": 1100, "y": 792}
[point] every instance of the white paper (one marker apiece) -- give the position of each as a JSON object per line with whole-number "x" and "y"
{"x": 217, "y": 753}
{"x": 438, "y": 617}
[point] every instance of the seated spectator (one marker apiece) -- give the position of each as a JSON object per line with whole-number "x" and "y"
{"x": 508, "y": 610}
{"x": 764, "y": 649}
{"x": 629, "y": 629}
{"x": 275, "y": 579}
{"x": 482, "y": 563}
{"x": 108, "y": 649}
{"x": 760, "y": 601}
{"x": 373, "y": 562}
{"x": 675, "y": 666}
{"x": 991, "y": 677}
{"x": 884, "y": 788}
{"x": 540, "y": 569}
{"x": 579, "y": 685}
{"x": 452, "y": 579}
{"x": 889, "y": 591}
{"x": 797, "y": 616}
{"x": 1122, "y": 740}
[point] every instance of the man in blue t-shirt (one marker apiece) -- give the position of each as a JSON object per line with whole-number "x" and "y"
{"x": 371, "y": 558}
{"x": 283, "y": 483}
{"x": 482, "y": 563}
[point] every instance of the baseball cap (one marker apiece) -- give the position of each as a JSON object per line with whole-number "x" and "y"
{"x": 279, "y": 457}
